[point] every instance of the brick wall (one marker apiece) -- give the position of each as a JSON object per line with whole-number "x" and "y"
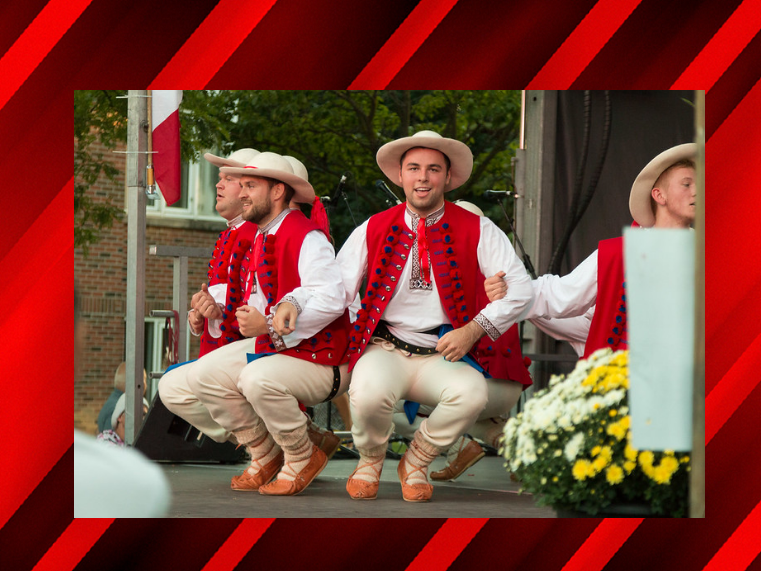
{"x": 101, "y": 280}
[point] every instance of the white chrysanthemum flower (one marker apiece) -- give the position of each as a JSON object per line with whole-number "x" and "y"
{"x": 573, "y": 446}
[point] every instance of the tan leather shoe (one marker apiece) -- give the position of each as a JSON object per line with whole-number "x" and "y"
{"x": 282, "y": 487}
{"x": 325, "y": 440}
{"x": 413, "y": 492}
{"x": 247, "y": 482}
{"x": 362, "y": 489}
{"x": 469, "y": 455}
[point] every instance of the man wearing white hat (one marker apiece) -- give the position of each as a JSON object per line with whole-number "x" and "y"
{"x": 205, "y": 317}
{"x": 421, "y": 260}
{"x": 212, "y": 311}
{"x": 295, "y": 323}
{"x": 662, "y": 196}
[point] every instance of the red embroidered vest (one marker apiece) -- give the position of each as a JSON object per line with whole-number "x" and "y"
{"x": 225, "y": 267}
{"x": 503, "y": 358}
{"x": 453, "y": 243}
{"x": 278, "y": 274}
{"x": 608, "y": 327}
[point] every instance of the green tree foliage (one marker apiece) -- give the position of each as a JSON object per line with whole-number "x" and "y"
{"x": 99, "y": 117}
{"x": 331, "y": 132}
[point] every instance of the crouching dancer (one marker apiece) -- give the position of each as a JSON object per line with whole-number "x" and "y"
{"x": 295, "y": 323}
{"x": 421, "y": 260}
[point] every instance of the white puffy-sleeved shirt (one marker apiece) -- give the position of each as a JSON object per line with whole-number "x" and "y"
{"x": 412, "y": 311}
{"x": 572, "y": 295}
{"x": 320, "y": 297}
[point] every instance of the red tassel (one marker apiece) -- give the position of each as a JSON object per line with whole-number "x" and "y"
{"x": 320, "y": 217}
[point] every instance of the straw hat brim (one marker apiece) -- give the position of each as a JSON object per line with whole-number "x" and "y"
{"x": 303, "y": 191}
{"x": 460, "y": 157}
{"x": 639, "y": 197}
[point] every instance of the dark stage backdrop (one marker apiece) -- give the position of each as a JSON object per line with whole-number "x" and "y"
{"x": 52, "y": 48}
{"x": 625, "y": 130}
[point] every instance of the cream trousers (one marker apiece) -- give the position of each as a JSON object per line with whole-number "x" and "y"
{"x": 385, "y": 375}
{"x": 221, "y": 392}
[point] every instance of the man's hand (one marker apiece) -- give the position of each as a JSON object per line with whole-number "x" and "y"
{"x": 195, "y": 321}
{"x": 250, "y": 321}
{"x": 205, "y": 305}
{"x": 456, "y": 344}
{"x": 495, "y": 286}
{"x": 284, "y": 321}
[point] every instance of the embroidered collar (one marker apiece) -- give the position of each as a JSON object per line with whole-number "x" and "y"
{"x": 274, "y": 222}
{"x": 235, "y": 222}
{"x": 430, "y": 220}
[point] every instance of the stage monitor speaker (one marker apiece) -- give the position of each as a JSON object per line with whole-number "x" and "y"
{"x": 166, "y": 437}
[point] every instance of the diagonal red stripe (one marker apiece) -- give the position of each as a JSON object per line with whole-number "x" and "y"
{"x": 723, "y": 49}
{"x": 402, "y": 44}
{"x": 444, "y": 547}
{"x": 238, "y": 544}
{"x": 742, "y": 547}
{"x": 602, "y": 544}
{"x": 73, "y": 545}
{"x": 584, "y": 43}
{"x": 206, "y": 51}
{"x": 36, "y": 42}
{"x": 732, "y": 389}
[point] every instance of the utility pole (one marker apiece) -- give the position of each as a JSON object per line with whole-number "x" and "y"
{"x": 137, "y": 145}
{"x": 698, "y": 470}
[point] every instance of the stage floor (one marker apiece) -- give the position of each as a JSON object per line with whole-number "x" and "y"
{"x": 485, "y": 490}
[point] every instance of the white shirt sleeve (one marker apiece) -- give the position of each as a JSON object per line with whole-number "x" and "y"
{"x": 352, "y": 261}
{"x": 495, "y": 254}
{"x": 219, "y": 293}
{"x": 574, "y": 330}
{"x": 321, "y": 289}
{"x": 568, "y": 296}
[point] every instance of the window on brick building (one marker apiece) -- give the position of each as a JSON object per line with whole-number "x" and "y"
{"x": 198, "y": 198}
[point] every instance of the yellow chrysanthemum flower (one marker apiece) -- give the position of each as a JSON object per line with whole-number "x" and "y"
{"x": 596, "y": 450}
{"x": 614, "y": 474}
{"x": 617, "y": 431}
{"x": 580, "y": 469}
{"x": 670, "y": 463}
{"x": 661, "y": 474}
{"x": 646, "y": 458}
{"x": 612, "y": 413}
{"x": 629, "y": 452}
{"x": 607, "y": 453}
{"x": 629, "y": 466}
{"x": 599, "y": 463}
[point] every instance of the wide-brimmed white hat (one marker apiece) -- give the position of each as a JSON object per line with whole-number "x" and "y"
{"x": 460, "y": 157}
{"x": 238, "y": 158}
{"x": 639, "y": 198}
{"x": 272, "y": 165}
{"x": 470, "y": 207}
{"x": 298, "y": 167}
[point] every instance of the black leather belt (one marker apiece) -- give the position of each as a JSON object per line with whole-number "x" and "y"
{"x": 336, "y": 383}
{"x": 383, "y": 332}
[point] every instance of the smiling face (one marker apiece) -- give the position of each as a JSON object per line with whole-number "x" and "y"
{"x": 424, "y": 175}
{"x": 675, "y": 194}
{"x": 228, "y": 196}
{"x": 256, "y": 199}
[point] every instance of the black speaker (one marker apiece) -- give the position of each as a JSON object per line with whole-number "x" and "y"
{"x": 166, "y": 437}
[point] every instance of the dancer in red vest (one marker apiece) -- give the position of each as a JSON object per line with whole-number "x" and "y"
{"x": 252, "y": 387}
{"x": 422, "y": 260}
{"x": 662, "y": 196}
{"x": 205, "y": 317}
{"x": 503, "y": 359}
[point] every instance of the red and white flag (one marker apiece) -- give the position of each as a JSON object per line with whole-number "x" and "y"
{"x": 166, "y": 142}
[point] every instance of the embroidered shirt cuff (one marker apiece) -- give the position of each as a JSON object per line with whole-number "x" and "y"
{"x": 487, "y": 326}
{"x": 292, "y": 300}
{"x": 277, "y": 340}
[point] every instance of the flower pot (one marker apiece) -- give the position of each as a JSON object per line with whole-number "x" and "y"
{"x": 613, "y": 510}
